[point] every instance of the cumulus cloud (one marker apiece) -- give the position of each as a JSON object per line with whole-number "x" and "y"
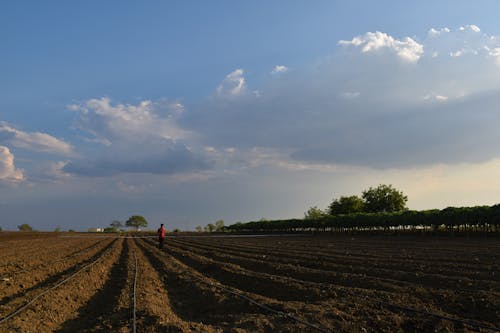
{"x": 372, "y": 42}
{"x": 279, "y": 69}
{"x": 36, "y": 141}
{"x": 8, "y": 171}
{"x": 233, "y": 84}
{"x": 108, "y": 123}
{"x": 140, "y": 138}
{"x": 357, "y": 108}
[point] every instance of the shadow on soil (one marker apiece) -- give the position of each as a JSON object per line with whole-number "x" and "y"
{"x": 98, "y": 314}
{"x": 192, "y": 302}
{"x": 51, "y": 280}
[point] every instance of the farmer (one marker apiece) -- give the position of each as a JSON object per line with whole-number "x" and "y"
{"x": 161, "y": 236}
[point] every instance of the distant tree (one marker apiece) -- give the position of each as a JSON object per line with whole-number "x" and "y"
{"x": 199, "y": 228}
{"x": 57, "y": 229}
{"x": 384, "y": 198}
{"x": 71, "y": 230}
{"x": 346, "y": 205}
{"x": 116, "y": 224}
{"x": 210, "y": 227}
{"x": 314, "y": 213}
{"x": 136, "y": 221}
{"x": 177, "y": 230}
{"x": 0, "y": 228}
{"x": 219, "y": 225}
{"x": 25, "y": 227}
{"x": 110, "y": 229}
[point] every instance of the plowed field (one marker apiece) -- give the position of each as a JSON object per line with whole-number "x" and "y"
{"x": 250, "y": 284}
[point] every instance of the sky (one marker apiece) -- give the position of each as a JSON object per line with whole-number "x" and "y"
{"x": 187, "y": 112}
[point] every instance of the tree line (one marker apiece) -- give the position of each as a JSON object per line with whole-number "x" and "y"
{"x": 382, "y": 208}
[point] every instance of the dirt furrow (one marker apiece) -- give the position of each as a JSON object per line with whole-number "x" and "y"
{"x": 447, "y": 302}
{"x": 62, "y": 254}
{"x": 23, "y": 286}
{"x": 195, "y": 298}
{"x": 254, "y": 282}
{"x": 344, "y": 274}
{"x": 399, "y": 251}
{"x": 481, "y": 270}
{"x": 62, "y": 303}
{"x": 154, "y": 311}
{"x": 110, "y": 308}
{"x": 36, "y": 255}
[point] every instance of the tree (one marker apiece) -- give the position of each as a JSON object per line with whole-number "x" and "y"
{"x": 210, "y": 227}
{"x": 384, "y": 198}
{"x": 57, "y": 229}
{"x": 219, "y": 225}
{"x": 136, "y": 221}
{"x": 346, "y": 205}
{"x": 199, "y": 228}
{"x": 116, "y": 224}
{"x": 314, "y": 213}
{"x": 25, "y": 227}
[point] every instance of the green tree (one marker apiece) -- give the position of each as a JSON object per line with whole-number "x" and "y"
{"x": 25, "y": 227}
{"x": 210, "y": 227}
{"x": 219, "y": 225}
{"x": 314, "y": 213}
{"x": 384, "y": 198}
{"x": 346, "y": 205}
{"x": 199, "y": 228}
{"x": 136, "y": 221}
{"x": 116, "y": 224}
{"x": 57, "y": 229}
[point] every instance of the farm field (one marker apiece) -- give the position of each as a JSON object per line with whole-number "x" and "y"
{"x": 335, "y": 283}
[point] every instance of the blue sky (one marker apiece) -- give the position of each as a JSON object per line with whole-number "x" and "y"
{"x": 189, "y": 112}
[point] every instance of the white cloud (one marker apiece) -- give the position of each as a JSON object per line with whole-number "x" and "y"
{"x": 233, "y": 84}
{"x": 140, "y": 138}
{"x": 36, "y": 141}
{"x": 279, "y": 69}
{"x": 470, "y": 27}
{"x": 8, "y": 171}
{"x": 110, "y": 124}
{"x": 317, "y": 115}
{"x": 436, "y": 32}
{"x": 406, "y": 48}
{"x": 467, "y": 40}
{"x": 495, "y": 53}
{"x": 434, "y": 97}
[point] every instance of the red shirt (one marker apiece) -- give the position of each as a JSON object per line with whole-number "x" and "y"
{"x": 161, "y": 232}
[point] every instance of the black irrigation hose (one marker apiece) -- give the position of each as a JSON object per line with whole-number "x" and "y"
{"x": 265, "y": 307}
{"x": 134, "y": 326}
{"x": 29, "y": 269}
{"x": 408, "y": 309}
{"x": 22, "y": 308}
{"x": 260, "y": 305}
{"x": 430, "y": 314}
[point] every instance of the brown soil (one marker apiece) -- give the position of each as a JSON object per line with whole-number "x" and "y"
{"x": 250, "y": 284}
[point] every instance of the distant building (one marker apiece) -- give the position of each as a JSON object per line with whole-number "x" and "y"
{"x": 95, "y": 230}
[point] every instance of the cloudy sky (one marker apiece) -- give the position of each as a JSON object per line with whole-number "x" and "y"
{"x": 189, "y": 112}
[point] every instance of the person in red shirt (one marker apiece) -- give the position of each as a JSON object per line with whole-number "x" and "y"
{"x": 161, "y": 236}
